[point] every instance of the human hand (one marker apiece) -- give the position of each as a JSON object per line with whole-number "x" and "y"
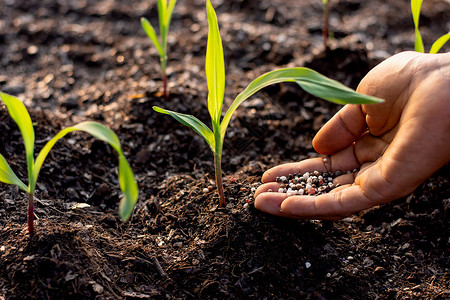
{"x": 395, "y": 145}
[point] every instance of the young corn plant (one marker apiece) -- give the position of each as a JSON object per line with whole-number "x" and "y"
{"x": 19, "y": 114}
{"x": 418, "y": 43}
{"x": 165, "y": 11}
{"x": 309, "y": 80}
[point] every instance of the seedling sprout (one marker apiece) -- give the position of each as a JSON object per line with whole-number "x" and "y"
{"x": 418, "y": 43}
{"x": 165, "y": 11}
{"x": 311, "y": 81}
{"x": 19, "y": 114}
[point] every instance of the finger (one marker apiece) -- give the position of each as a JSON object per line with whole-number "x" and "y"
{"x": 335, "y": 190}
{"x": 341, "y": 161}
{"x": 348, "y": 178}
{"x": 271, "y": 203}
{"x": 307, "y": 165}
{"x": 341, "y": 130}
{"x": 342, "y": 203}
{"x": 267, "y": 187}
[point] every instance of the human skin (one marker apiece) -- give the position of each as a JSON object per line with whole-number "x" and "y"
{"x": 395, "y": 145}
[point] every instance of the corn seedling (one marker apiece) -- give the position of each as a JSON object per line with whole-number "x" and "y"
{"x": 418, "y": 43}
{"x": 165, "y": 11}
{"x": 19, "y": 114}
{"x": 308, "y": 79}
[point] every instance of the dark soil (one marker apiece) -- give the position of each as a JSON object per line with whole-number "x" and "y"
{"x": 71, "y": 61}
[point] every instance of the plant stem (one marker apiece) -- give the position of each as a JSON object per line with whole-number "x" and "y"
{"x": 30, "y": 214}
{"x": 218, "y": 169}
{"x": 325, "y": 24}
{"x": 165, "y": 91}
{"x": 164, "y": 76}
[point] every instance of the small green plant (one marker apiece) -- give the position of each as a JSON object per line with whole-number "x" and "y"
{"x": 308, "y": 79}
{"x": 165, "y": 11}
{"x": 418, "y": 43}
{"x": 19, "y": 114}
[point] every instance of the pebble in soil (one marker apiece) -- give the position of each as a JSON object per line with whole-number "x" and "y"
{"x": 309, "y": 183}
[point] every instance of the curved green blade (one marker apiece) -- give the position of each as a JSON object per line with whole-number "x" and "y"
{"x": 19, "y": 114}
{"x": 8, "y": 176}
{"x": 215, "y": 66}
{"x": 415, "y": 10}
{"x": 162, "y": 8}
{"x": 127, "y": 182}
{"x": 150, "y": 31}
{"x": 169, "y": 12}
{"x": 101, "y": 132}
{"x": 331, "y": 90}
{"x": 310, "y": 80}
{"x": 128, "y": 187}
{"x": 188, "y": 120}
{"x": 437, "y": 45}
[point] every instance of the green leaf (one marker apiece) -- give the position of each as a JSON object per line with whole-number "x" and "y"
{"x": 415, "y": 10}
{"x": 418, "y": 44}
{"x": 313, "y": 82}
{"x": 437, "y": 45}
{"x": 332, "y": 90}
{"x": 128, "y": 187}
{"x": 101, "y": 132}
{"x": 150, "y": 31}
{"x": 19, "y": 114}
{"x": 162, "y": 15}
{"x": 127, "y": 182}
{"x": 7, "y": 175}
{"x": 215, "y": 67}
{"x": 169, "y": 12}
{"x": 188, "y": 120}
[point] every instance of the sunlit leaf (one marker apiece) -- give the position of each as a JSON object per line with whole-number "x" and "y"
{"x": 19, "y": 114}
{"x": 437, "y": 45}
{"x": 127, "y": 182}
{"x": 415, "y": 10}
{"x": 101, "y": 132}
{"x": 215, "y": 66}
{"x": 333, "y": 91}
{"x": 162, "y": 8}
{"x": 8, "y": 176}
{"x": 169, "y": 12}
{"x": 198, "y": 126}
{"x": 128, "y": 187}
{"x": 418, "y": 44}
{"x": 311, "y": 81}
{"x": 150, "y": 31}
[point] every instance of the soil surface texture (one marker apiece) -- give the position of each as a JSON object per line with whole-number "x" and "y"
{"x": 71, "y": 61}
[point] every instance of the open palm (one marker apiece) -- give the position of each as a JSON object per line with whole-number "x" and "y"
{"x": 395, "y": 145}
